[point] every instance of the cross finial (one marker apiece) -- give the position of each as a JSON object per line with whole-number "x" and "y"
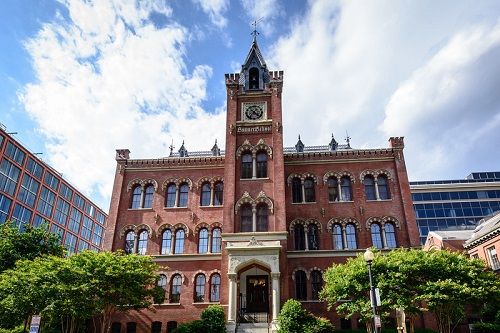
{"x": 255, "y": 32}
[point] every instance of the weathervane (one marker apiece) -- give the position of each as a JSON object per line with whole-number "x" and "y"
{"x": 255, "y": 32}
{"x": 172, "y": 148}
{"x": 348, "y": 139}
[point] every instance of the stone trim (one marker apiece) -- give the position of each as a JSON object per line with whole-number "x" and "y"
{"x": 382, "y": 221}
{"x": 200, "y": 226}
{"x": 302, "y": 177}
{"x": 300, "y": 268}
{"x": 342, "y": 221}
{"x": 375, "y": 174}
{"x": 177, "y": 182}
{"x": 198, "y": 272}
{"x": 247, "y": 146}
{"x": 246, "y": 198}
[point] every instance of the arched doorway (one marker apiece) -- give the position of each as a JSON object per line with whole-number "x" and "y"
{"x": 254, "y": 293}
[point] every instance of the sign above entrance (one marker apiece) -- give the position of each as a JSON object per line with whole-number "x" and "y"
{"x": 258, "y": 129}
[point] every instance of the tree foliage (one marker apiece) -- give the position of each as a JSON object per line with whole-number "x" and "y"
{"x": 440, "y": 282}
{"x": 28, "y": 244}
{"x": 212, "y": 321}
{"x": 72, "y": 290}
{"x": 293, "y": 318}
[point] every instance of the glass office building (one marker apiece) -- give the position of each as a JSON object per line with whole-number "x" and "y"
{"x": 455, "y": 204}
{"x": 32, "y": 193}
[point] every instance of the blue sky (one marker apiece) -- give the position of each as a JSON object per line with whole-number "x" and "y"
{"x": 79, "y": 79}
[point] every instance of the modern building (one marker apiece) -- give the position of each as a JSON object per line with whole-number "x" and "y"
{"x": 455, "y": 204}
{"x": 258, "y": 223}
{"x": 485, "y": 242}
{"x": 32, "y": 193}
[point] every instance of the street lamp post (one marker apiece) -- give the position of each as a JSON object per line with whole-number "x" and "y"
{"x": 368, "y": 256}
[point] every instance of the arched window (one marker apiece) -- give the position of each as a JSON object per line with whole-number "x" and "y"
{"x": 299, "y": 237}
{"x": 199, "y": 291}
{"x": 246, "y": 218}
{"x": 333, "y": 189}
{"x": 296, "y": 190}
{"x": 383, "y": 187}
{"x": 390, "y": 235}
{"x": 337, "y": 237}
{"x": 246, "y": 165}
{"x": 262, "y": 223}
{"x": 376, "y": 235}
{"x": 171, "y": 326}
{"x": 218, "y": 194}
{"x": 148, "y": 196}
{"x": 162, "y": 283}
{"x": 170, "y": 196}
{"x": 216, "y": 240}
{"x": 129, "y": 242}
{"x": 345, "y": 189}
{"x": 136, "y": 197}
{"x": 215, "y": 288}
{"x": 116, "y": 327}
{"x": 261, "y": 165}
{"x": 203, "y": 241}
{"x": 131, "y": 327}
{"x": 179, "y": 241}
{"x": 166, "y": 241}
{"x": 142, "y": 244}
{"x": 205, "y": 194}
{"x": 369, "y": 188}
{"x": 313, "y": 237}
{"x": 156, "y": 327}
{"x": 183, "y": 195}
{"x": 175, "y": 289}
{"x": 253, "y": 80}
{"x": 300, "y": 285}
{"x": 309, "y": 190}
{"x": 316, "y": 284}
{"x": 350, "y": 231}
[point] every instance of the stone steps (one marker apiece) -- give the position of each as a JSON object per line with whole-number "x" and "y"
{"x": 253, "y": 328}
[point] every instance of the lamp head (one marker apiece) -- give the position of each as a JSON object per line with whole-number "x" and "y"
{"x": 368, "y": 256}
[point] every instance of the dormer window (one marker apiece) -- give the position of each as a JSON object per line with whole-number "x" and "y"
{"x": 253, "y": 82}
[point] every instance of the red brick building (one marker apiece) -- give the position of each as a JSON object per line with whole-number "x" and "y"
{"x": 485, "y": 241}
{"x": 258, "y": 224}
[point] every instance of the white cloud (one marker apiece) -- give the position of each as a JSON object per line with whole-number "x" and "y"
{"x": 109, "y": 79}
{"x": 344, "y": 60}
{"x": 215, "y": 9}
{"x": 264, "y": 11}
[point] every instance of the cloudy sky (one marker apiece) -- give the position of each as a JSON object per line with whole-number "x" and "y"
{"x": 79, "y": 79}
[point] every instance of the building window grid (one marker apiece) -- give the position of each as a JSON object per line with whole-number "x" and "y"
{"x": 21, "y": 216}
{"x": 75, "y": 220}
{"x": 303, "y": 190}
{"x": 70, "y": 243}
{"x": 65, "y": 192}
{"x": 78, "y": 201}
{"x": 46, "y": 202}
{"x": 28, "y": 190}
{"x": 61, "y": 212}
{"x": 4, "y": 208}
{"x": 34, "y": 168}
{"x": 86, "y": 232}
{"x": 82, "y": 245}
{"x": 9, "y": 175}
{"x": 97, "y": 235}
{"x": 15, "y": 153}
{"x": 56, "y": 230}
{"x": 51, "y": 181}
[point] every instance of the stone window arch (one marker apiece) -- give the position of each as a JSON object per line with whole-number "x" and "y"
{"x": 380, "y": 189}
{"x": 303, "y": 187}
{"x": 344, "y": 233}
{"x": 251, "y": 205}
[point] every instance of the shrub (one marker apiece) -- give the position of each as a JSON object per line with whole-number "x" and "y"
{"x": 321, "y": 325}
{"x": 18, "y": 329}
{"x": 214, "y": 319}
{"x": 293, "y": 318}
{"x": 481, "y": 327}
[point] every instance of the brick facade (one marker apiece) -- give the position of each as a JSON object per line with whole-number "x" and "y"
{"x": 271, "y": 253}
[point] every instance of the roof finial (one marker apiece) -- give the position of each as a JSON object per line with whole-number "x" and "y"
{"x": 172, "y": 148}
{"x": 348, "y": 139}
{"x": 255, "y": 32}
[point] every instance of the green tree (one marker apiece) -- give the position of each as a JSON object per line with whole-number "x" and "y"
{"x": 293, "y": 318}
{"x": 28, "y": 244}
{"x": 440, "y": 282}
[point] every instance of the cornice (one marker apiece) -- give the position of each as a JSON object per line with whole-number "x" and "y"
{"x": 338, "y": 161}
{"x": 448, "y": 187}
{"x": 482, "y": 239}
{"x": 187, "y": 257}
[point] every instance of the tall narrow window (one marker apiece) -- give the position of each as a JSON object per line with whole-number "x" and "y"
{"x": 313, "y": 237}
{"x": 156, "y": 327}
{"x": 142, "y": 244}
{"x": 136, "y": 197}
{"x": 300, "y": 285}
{"x": 116, "y": 327}
{"x": 175, "y": 289}
{"x": 345, "y": 188}
{"x": 166, "y": 241}
{"x": 333, "y": 189}
{"x": 337, "y": 237}
{"x": 179, "y": 241}
{"x": 199, "y": 295}
{"x": 203, "y": 241}
{"x": 309, "y": 190}
{"x": 162, "y": 283}
{"x": 253, "y": 80}
{"x": 148, "y": 196}
{"x": 246, "y": 166}
{"x": 296, "y": 190}
{"x": 218, "y": 194}
{"x": 131, "y": 327}
{"x": 183, "y": 195}
{"x": 215, "y": 288}
{"x": 171, "y": 194}
{"x": 369, "y": 184}
{"x": 246, "y": 218}
{"x": 350, "y": 231}
{"x": 316, "y": 284}
{"x": 493, "y": 258}
{"x": 261, "y": 165}
{"x": 376, "y": 236}
{"x": 390, "y": 235}
{"x": 299, "y": 237}
{"x": 205, "y": 194}
{"x": 262, "y": 223}
{"x": 383, "y": 188}
{"x": 216, "y": 240}
{"x": 129, "y": 242}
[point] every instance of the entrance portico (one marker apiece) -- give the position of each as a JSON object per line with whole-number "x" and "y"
{"x": 254, "y": 272}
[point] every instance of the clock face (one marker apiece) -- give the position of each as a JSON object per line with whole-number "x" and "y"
{"x": 254, "y": 111}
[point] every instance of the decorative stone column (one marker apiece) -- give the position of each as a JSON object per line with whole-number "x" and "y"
{"x": 344, "y": 237}
{"x": 231, "y": 313}
{"x": 384, "y": 240}
{"x": 377, "y": 195}
{"x": 212, "y": 194}
{"x": 303, "y": 190}
{"x": 141, "y": 203}
{"x": 254, "y": 219}
{"x": 254, "y": 166}
{"x": 306, "y": 236}
{"x": 339, "y": 189}
{"x": 275, "y": 276}
{"x": 176, "y": 203}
